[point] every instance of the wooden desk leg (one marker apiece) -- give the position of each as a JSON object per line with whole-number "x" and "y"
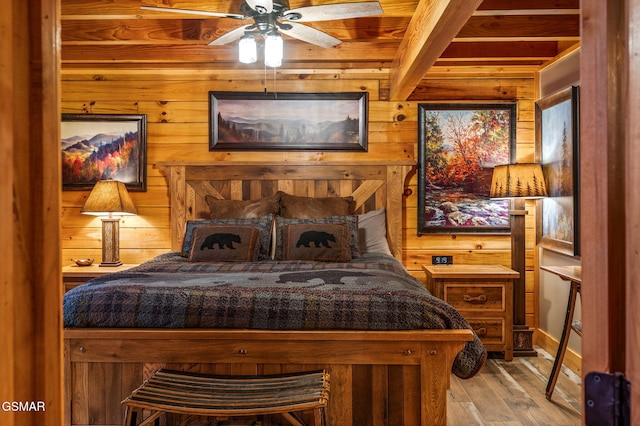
{"x": 564, "y": 340}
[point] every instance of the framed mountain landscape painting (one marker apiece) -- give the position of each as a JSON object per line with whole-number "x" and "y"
{"x": 557, "y": 149}
{"x": 288, "y": 121}
{"x": 459, "y": 144}
{"x": 103, "y": 146}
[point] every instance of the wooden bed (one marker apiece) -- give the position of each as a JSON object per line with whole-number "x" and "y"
{"x": 377, "y": 377}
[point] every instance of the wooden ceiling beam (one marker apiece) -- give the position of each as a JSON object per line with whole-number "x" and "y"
{"x": 156, "y": 31}
{"x": 205, "y": 30}
{"x": 204, "y": 71}
{"x": 295, "y": 51}
{"x": 466, "y": 72}
{"x": 496, "y": 5}
{"x": 496, "y": 27}
{"x": 434, "y": 24}
{"x": 352, "y": 53}
{"x": 489, "y": 28}
{"x": 506, "y": 65}
{"x": 130, "y": 9}
{"x": 503, "y": 49}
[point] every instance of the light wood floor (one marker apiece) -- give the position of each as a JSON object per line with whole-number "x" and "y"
{"x": 502, "y": 394}
{"x": 512, "y": 394}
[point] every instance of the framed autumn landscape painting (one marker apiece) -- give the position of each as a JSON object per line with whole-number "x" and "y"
{"x": 458, "y": 146}
{"x": 288, "y": 121}
{"x": 103, "y": 146}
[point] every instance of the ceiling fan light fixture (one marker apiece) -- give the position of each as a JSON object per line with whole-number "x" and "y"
{"x": 247, "y": 50}
{"x": 273, "y": 50}
{"x": 268, "y": 15}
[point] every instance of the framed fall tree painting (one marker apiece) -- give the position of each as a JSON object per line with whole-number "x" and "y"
{"x": 103, "y": 146}
{"x": 458, "y": 146}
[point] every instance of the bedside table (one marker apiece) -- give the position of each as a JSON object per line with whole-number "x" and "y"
{"x": 74, "y": 275}
{"x": 483, "y": 294}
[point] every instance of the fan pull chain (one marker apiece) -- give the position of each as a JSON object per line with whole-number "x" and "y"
{"x": 275, "y": 80}
{"x": 265, "y": 79}
{"x": 275, "y": 88}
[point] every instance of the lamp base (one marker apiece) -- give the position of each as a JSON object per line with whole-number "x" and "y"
{"x": 118, "y": 263}
{"x": 110, "y": 242}
{"x": 523, "y": 341}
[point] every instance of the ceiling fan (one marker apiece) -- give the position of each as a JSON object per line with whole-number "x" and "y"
{"x": 273, "y": 16}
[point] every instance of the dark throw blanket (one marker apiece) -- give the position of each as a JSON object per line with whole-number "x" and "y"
{"x": 371, "y": 293}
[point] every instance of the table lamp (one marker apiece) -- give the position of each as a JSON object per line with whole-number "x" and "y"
{"x": 519, "y": 182}
{"x": 110, "y": 200}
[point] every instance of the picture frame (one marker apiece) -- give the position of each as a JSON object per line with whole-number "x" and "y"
{"x": 557, "y": 149}
{"x": 247, "y": 121}
{"x": 103, "y": 146}
{"x": 458, "y": 146}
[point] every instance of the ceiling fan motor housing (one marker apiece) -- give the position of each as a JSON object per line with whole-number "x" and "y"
{"x": 279, "y": 7}
{"x": 266, "y": 23}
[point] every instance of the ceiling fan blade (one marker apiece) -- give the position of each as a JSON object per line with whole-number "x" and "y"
{"x": 194, "y": 12}
{"x": 261, "y": 6}
{"x": 329, "y": 12}
{"x": 229, "y": 37}
{"x": 310, "y": 35}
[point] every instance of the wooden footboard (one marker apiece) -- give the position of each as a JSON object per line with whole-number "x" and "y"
{"x": 377, "y": 378}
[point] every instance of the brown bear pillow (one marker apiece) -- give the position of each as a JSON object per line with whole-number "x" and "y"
{"x": 225, "y": 244}
{"x": 319, "y": 242}
{"x": 231, "y": 209}
{"x": 295, "y": 207}
{"x": 263, "y": 223}
{"x": 286, "y": 239}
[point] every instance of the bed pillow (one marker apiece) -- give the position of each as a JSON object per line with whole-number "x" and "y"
{"x": 285, "y": 237}
{"x": 263, "y": 223}
{"x": 295, "y": 207}
{"x": 225, "y": 243}
{"x": 372, "y": 232}
{"x": 322, "y": 242}
{"x": 231, "y": 209}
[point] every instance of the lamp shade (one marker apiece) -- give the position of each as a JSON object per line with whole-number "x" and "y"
{"x": 107, "y": 198}
{"x": 520, "y": 180}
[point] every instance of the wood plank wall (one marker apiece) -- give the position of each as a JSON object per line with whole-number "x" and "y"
{"x": 176, "y": 104}
{"x": 31, "y": 353}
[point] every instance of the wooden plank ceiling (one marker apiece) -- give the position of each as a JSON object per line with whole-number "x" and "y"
{"x": 411, "y": 38}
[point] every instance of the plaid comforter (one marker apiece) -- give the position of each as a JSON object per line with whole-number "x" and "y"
{"x": 371, "y": 293}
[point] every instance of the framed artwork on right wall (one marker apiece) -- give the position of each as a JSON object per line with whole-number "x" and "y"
{"x": 557, "y": 149}
{"x": 459, "y": 144}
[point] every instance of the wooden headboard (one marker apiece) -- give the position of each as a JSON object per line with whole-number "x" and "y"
{"x": 372, "y": 184}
